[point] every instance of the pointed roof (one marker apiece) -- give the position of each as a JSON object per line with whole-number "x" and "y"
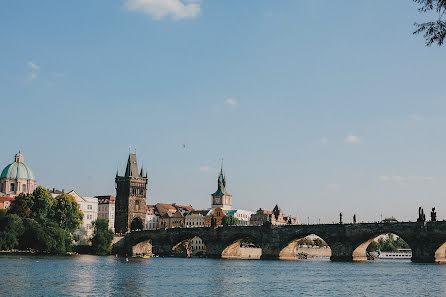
{"x": 132, "y": 166}
{"x": 221, "y": 182}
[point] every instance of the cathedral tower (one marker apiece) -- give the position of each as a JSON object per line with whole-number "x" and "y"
{"x": 221, "y": 198}
{"x": 130, "y": 209}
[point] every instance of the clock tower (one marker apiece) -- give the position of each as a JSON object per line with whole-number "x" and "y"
{"x": 221, "y": 198}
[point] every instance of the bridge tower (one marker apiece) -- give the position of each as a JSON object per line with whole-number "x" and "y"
{"x": 221, "y": 198}
{"x": 131, "y": 189}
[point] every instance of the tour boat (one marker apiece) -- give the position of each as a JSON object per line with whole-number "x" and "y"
{"x": 399, "y": 254}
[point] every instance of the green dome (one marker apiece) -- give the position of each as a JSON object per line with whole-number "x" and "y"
{"x": 18, "y": 170}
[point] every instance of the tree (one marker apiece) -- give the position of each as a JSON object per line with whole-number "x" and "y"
{"x": 66, "y": 213}
{"x": 41, "y": 204}
{"x": 33, "y": 236}
{"x": 11, "y": 228}
{"x": 21, "y": 206}
{"x": 434, "y": 31}
{"x": 230, "y": 221}
{"x": 102, "y": 237}
{"x": 57, "y": 240}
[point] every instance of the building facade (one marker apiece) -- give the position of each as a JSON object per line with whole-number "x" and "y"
{"x": 196, "y": 218}
{"x": 215, "y": 217}
{"x": 275, "y": 217}
{"x": 89, "y": 206}
{"x": 221, "y": 198}
{"x": 5, "y": 202}
{"x": 106, "y": 209}
{"x": 131, "y": 189}
{"x": 243, "y": 216}
{"x": 17, "y": 178}
{"x": 152, "y": 218}
{"x": 196, "y": 246}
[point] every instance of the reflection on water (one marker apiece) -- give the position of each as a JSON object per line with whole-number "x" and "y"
{"x": 111, "y": 276}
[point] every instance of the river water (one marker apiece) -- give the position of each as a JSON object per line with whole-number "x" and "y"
{"x": 111, "y": 276}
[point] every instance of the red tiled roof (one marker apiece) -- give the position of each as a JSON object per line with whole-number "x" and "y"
{"x": 167, "y": 206}
{"x": 186, "y": 207}
{"x": 3, "y": 199}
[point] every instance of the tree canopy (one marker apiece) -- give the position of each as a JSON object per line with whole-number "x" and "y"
{"x": 433, "y": 31}
{"x": 102, "y": 237}
{"x": 40, "y": 222}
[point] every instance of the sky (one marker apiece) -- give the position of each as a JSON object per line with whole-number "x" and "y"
{"x": 319, "y": 106}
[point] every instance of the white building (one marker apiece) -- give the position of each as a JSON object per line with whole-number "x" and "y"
{"x": 196, "y": 218}
{"x": 243, "y": 216}
{"x": 106, "y": 210}
{"x": 152, "y": 218}
{"x": 89, "y": 206}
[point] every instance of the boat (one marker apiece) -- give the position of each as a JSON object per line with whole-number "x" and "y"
{"x": 399, "y": 254}
{"x": 144, "y": 256}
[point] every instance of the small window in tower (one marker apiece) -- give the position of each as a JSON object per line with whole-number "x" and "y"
{"x": 12, "y": 187}
{"x": 137, "y": 205}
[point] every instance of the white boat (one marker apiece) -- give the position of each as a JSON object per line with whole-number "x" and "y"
{"x": 400, "y": 254}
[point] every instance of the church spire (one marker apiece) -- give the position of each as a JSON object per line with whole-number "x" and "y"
{"x": 132, "y": 166}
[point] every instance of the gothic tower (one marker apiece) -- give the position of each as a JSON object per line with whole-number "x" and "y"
{"x": 130, "y": 209}
{"x": 221, "y": 198}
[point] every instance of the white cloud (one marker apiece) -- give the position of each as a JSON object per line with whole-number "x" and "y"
{"x": 33, "y": 65}
{"x": 415, "y": 117}
{"x": 231, "y": 101}
{"x": 398, "y": 179}
{"x": 158, "y": 9}
{"x": 205, "y": 168}
{"x": 323, "y": 140}
{"x": 32, "y": 76}
{"x": 352, "y": 139}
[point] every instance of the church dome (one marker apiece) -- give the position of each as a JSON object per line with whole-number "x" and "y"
{"x": 18, "y": 169}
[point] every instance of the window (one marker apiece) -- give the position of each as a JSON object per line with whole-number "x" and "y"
{"x": 12, "y": 187}
{"x": 89, "y": 206}
{"x": 137, "y": 204}
{"x": 24, "y": 188}
{"x": 1, "y": 187}
{"x": 89, "y": 216}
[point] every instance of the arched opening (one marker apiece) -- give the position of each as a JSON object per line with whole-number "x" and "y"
{"x": 191, "y": 247}
{"x": 242, "y": 249}
{"x": 136, "y": 224}
{"x": 383, "y": 246}
{"x": 440, "y": 254}
{"x": 308, "y": 247}
{"x": 142, "y": 249}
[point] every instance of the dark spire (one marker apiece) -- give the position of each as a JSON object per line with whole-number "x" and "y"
{"x": 141, "y": 173}
{"x": 132, "y": 166}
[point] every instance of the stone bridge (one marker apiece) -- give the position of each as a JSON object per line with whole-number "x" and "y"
{"x": 348, "y": 242}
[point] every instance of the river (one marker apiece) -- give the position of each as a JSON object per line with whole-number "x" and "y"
{"x": 111, "y": 276}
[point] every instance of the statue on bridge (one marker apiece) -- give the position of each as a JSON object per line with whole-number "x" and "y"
{"x": 433, "y": 215}
{"x": 354, "y": 219}
{"x": 340, "y": 218}
{"x": 421, "y": 215}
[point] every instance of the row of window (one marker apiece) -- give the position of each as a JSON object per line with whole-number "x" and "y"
{"x": 12, "y": 187}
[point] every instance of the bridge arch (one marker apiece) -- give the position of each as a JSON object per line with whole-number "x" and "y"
{"x": 189, "y": 247}
{"x": 242, "y": 246}
{"x": 440, "y": 254}
{"x": 360, "y": 252}
{"x": 304, "y": 246}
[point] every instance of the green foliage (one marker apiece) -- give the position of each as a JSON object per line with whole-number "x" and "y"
{"x": 66, "y": 213}
{"x": 230, "y": 221}
{"x": 40, "y": 222}
{"x": 33, "y": 236}
{"x": 102, "y": 237}
{"x": 433, "y": 31}
{"x": 56, "y": 239}
{"x": 11, "y": 228}
{"x": 21, "y": 206}
{"x": 41, "y": 205}
{"x": 389, "y": 244}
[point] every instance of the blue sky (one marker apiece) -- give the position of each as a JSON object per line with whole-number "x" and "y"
{"x": 319, "y": 106}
